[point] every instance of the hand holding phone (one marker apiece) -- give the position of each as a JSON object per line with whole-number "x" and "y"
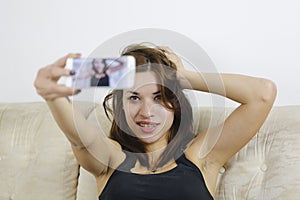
{"x": 118, "y": 73}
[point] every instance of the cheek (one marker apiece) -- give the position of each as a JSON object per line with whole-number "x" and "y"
{"x": 163, "y": 110}
{"x": 169, "y": 118}
{"x": 165, "y": 115}
{"x": 130, "y": 112}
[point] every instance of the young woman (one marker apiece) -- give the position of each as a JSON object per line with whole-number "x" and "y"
{"x": 101, "y": 70}
{"x": 152, "y": 151}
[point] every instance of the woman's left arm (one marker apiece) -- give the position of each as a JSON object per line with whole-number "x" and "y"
{"x": 120, "y": 65}
{"x": 256, "y": 97}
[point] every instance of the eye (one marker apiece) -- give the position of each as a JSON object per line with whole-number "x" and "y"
{"x": 133, "y": 98}
{"x": 158, "y": 98}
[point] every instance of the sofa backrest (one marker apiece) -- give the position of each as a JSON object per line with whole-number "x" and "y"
{"x": 36, "y": 160}
{"x": 268, "y": 166}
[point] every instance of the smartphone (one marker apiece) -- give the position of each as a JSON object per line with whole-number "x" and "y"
{"x": 117, "y": 73}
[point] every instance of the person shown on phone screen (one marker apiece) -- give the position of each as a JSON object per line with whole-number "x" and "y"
{"x": 152, "y": 151}
{"x": 101, "y": 69}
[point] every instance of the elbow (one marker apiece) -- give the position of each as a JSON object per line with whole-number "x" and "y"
{"x": 268, "y": 91}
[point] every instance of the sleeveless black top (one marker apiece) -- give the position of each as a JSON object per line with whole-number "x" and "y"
{"x": 185, "y": 181}
{"x": 104, "y": 81}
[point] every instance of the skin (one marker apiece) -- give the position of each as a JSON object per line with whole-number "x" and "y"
{"x": 99, "y": 66}
{"x": 93, "y": 151}
{"x": 145, "y": 113}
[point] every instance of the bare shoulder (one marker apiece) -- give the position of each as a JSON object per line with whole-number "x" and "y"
{"x": 193, "y": 152}
{"x": 102, "y": 178}
{"x": 118, "y": 158}
{"x": 117, "y": 144}
{"x": 208, "y": 167}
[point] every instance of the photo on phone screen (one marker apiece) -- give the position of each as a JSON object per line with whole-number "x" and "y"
{"x": 102, "y": 72}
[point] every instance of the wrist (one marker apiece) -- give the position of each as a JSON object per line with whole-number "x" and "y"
{"x": 183, "y": 78}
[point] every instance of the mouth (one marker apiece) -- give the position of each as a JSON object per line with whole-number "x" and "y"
{"x": 146, "y": 126}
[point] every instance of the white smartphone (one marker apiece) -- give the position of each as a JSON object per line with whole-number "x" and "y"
{"x": 117, "y": 73}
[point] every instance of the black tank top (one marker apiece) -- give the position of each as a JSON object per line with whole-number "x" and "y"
{"x": 185, "y": 181}
{"x": 104, "y": 81}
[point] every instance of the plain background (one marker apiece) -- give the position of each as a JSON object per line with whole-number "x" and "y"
{"x": 253, "y": 37}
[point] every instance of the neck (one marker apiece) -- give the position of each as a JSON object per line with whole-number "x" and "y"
{"x": 154, "y": 158}
{"x": 159, "y": 145}
{"x": 154, "y": 151}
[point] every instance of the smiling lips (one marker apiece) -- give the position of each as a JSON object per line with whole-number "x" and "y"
{"x": 146, "y": 126}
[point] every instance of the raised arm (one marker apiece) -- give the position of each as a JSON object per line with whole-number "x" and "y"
{"x": 112, "y": 69}
{"x": 255, "y": 95}
{"x": 92, "y": 150}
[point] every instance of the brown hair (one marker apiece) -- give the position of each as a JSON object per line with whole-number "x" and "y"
{"x": 181, "y": 132}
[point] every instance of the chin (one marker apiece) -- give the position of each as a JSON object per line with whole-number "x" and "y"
{"x": 148, "y": 140}
{"x": 153, "y": 139}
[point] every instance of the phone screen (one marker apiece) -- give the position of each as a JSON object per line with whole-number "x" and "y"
{"x": 116, "y": 73}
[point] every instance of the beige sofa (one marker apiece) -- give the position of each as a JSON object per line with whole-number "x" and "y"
{"x": 36, "y": 161}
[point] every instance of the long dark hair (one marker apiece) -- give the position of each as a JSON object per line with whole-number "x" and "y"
{"x": 103, "y": 61}
{"x": 181, "y": 132}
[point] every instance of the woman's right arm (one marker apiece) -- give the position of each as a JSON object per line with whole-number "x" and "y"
{"x": 91, "y": 148}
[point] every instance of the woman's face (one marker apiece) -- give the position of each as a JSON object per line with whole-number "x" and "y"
{"x": 98, "y": 65}
{"x": 145, "y": 113}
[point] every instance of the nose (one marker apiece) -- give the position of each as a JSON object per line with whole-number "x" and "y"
{"x": 146, "y": 109}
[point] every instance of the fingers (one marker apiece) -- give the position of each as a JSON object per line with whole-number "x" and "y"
{"x": 55, "y": 72}
{"x": 165, "y": 49}
{"x": 168, "y": 52}
{"x": 61, "y": 91}
{"x": 172, "y": 56}
{"x": 47, "y": 77}
{"x": 53, "y": 91}
{"x": 62, "y": 61}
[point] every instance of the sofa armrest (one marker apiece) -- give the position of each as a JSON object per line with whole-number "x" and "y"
{"x": 36, "y": 160}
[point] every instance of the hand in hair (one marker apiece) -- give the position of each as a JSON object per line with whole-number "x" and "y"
{"x": 173, "y": 57}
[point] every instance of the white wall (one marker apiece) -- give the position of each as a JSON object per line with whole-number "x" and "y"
{"x": 254, "y": 37}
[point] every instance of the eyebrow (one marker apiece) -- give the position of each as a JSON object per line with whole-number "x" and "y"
{"x": 136, "y": 93}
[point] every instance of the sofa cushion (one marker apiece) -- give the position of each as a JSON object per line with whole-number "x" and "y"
{"x": 268, "y": 166}
{"x": 36, "y": 160}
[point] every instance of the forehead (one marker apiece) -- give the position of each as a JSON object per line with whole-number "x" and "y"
{"x": 98, "y": 61}
{"x": 145, "y": 80}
